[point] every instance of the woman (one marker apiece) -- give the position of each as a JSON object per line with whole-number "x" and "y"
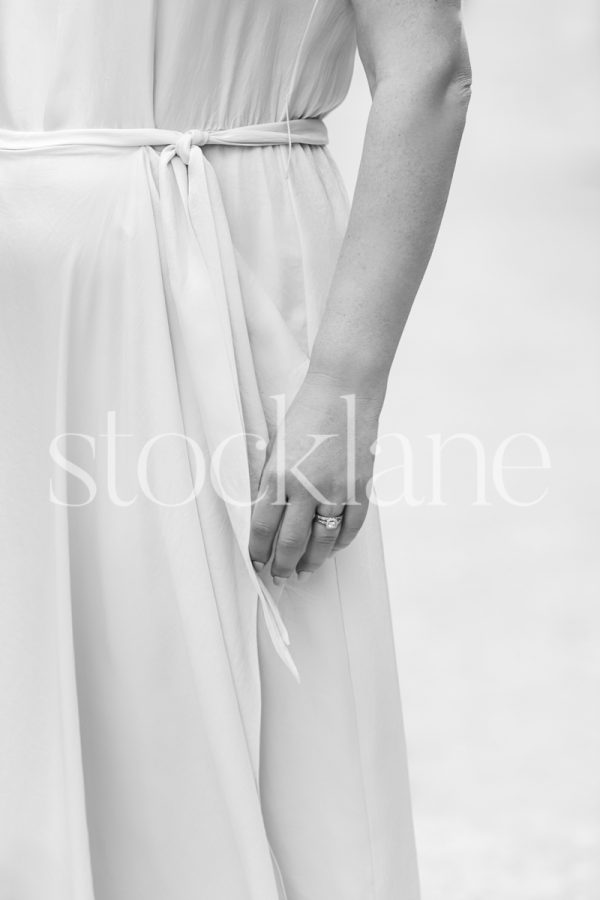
{"x": 180, "y": 299}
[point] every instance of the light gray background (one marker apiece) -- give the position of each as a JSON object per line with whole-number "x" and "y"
{"x": 497, "y": 608}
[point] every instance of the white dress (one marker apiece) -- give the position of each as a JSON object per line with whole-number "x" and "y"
{"x": 154, "y": 742}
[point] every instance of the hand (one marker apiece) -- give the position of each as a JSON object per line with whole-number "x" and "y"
{"x": 303, "y": 475}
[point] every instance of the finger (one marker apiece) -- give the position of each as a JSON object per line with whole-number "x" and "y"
{"x": 321, "y": 543}
{"x": 293, "y": 537}
{"x": 354, "y": 517}
{"x": 266, "y": 517}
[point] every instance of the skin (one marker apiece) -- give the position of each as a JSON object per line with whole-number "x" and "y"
{"x": 416, "y": 60}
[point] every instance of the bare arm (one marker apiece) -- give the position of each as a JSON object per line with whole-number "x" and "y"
{"x": 416, "y": 60}
{"x": 415, "y": 56}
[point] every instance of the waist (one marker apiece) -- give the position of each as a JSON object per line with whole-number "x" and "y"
{"x": 294, "y": 131}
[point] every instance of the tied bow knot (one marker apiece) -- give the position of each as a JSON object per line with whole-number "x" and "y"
{"x": 192, "y": 138}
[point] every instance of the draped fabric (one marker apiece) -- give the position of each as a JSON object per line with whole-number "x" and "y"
{"x": 172, "y": 724}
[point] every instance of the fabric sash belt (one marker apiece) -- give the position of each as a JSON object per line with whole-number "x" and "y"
{"x": 180, "y": 143}
{"x": 205, "y": 294}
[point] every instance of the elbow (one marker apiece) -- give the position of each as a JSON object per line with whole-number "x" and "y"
{"x": 454, "y": 74}
{"x": 440, "y": 96}
{"x": 458, "y": 85}
{"x": 435, "y": 80}
{"x": 456, "y": 97}
{"x": 444, "y": 96}
{"x": 449, "y": 78}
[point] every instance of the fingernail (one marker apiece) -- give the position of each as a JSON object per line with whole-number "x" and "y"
{"x": 302, "y": 576}
{"x": 258, "y": 565}
{"x": 279, "y": 579}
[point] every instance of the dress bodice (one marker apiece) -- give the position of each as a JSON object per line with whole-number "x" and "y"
{"x": 171, "y": 63}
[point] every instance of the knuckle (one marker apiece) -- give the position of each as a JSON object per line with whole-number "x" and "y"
{"x": 261, "y": 529}
{"x": 324, "y": 539}
{"x": 338, "y": 490}
{"x": 334, "y": 496}
{"x": 289, "y": 542}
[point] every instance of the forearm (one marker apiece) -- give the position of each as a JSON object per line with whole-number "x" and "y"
{"x": 415, "y": 58}
{"x": 410, "y": 149}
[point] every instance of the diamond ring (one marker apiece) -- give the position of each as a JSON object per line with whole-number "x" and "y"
{"x": 330, "y": 522}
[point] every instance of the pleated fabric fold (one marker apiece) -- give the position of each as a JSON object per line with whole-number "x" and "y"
{"x": 205, "y": 296}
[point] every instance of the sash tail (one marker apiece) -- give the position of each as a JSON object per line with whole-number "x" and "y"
{"x": 204, "y": 291}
